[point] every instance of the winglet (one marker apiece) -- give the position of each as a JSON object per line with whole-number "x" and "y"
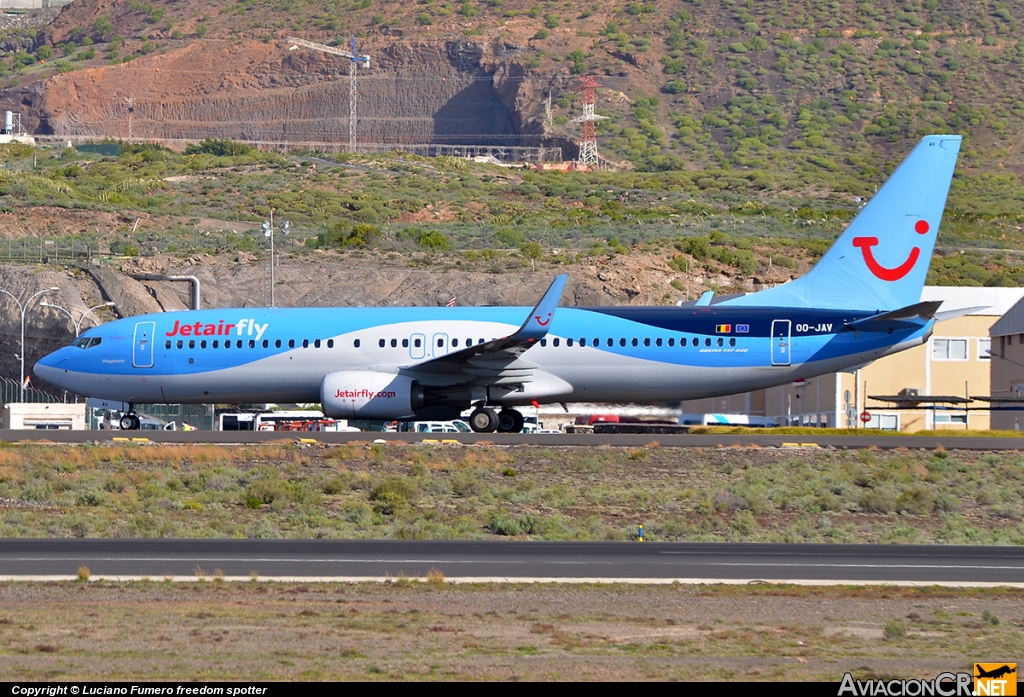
{"x": 705, "y": 299}
{"x": 536, "y": 325}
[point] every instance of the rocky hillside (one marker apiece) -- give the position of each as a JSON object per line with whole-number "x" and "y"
{"x": 831, "y": 89}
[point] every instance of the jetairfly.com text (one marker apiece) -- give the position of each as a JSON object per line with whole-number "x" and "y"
{"x": 55, "y": 690}
{"x": 245, "y": 327}
{"x": 366, "y": 394}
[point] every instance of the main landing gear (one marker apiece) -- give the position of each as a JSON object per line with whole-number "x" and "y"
{"x": 130, "y": 421}
{"x": 485, "y": 420}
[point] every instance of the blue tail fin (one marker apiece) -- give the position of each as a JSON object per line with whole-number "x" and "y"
{"x": 881, "y": 260}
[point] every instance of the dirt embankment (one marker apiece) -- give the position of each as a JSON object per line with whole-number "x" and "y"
{"x": 413, "y": 92}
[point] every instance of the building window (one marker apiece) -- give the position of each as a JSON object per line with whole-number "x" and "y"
{"x": 984, "y": 349}
{"x": 951, "y": 418}
{"x": 949, "y": 349}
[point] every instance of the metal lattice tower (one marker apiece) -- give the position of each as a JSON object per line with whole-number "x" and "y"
{"x": 588, "y": 141}
{"x": 354, "y": 61}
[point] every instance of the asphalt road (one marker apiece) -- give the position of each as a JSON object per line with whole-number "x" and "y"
{"x": 582, "y": 439}
{"x": 513, "y": 561}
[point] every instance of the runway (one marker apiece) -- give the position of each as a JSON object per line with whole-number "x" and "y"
{"x": 512, "y": 561}
{"x": 766, "y": 440}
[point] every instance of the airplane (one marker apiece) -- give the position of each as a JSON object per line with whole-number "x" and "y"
{"x": 860, "y": 302}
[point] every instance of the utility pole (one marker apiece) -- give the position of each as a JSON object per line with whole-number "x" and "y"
{"x": 355, "y": 59}
{"x": 130, "y": 101}
{"x": 588, "y": 156}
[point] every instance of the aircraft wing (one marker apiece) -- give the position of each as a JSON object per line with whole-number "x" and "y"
{"x": 499, "y": 361}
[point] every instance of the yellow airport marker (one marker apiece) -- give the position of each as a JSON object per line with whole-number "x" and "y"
{"x": 140, "y": 440}
{"x": 121, "y": 440}
{"x": 809, "y": 445}
{"x": 429, "y": 440}
{"x": 450, "y": 441}
{"x": 790, "y": 445}
{"x": 308, "y": 441}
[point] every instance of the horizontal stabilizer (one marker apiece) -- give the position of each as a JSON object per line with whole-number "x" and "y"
{"x": 921, "y": 312}
{"x": 947, "y": 315}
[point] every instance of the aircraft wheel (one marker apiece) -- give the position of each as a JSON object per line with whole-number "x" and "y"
{"x": 483, "y": 420}
{"x": 510, "y": 421}
{"x": 129, "y": 422}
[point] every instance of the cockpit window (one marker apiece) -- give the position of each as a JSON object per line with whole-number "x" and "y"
{"x": 87, "y": 342}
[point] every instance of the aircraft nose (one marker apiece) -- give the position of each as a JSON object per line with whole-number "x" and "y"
{"x": 48, "y": 368}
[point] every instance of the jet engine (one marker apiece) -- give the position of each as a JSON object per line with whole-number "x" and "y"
{"x": 364, "y": 394}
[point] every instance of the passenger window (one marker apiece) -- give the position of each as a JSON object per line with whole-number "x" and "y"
{"x": 657, "y": 341}
{"x": 695, "y": 341}
{"x": 354, "y": 343}
{"x": 707, "y": 341}
{"x": 266, "y": 343}
{"x": 316, "y": 343}
{"x": 277, "y": 343}
{"x": 202, "y": 344}
{"x": 647, "y": 342}
{"x": 167, "y": 344}
{"x": 635, "y": 342}
{"x": 440, "y": 343}
{"x": 381, "y": 343}
{"x": 405, "y": 343}
{"x": 227, "y": 344}
{"x": 394, "y": 343}
{"x": 469, "y": 342}
{"x": 455, "y": 343}
{"x": 305, "y": 343}
{"x": 180, "y": 343}
{"x": 192, "y": 343}
{"x": 252, "y": 343}
{"x": 622, "y": 342}
{"x": 554, "y": 342}
{"x": 672, "y": 342}
{"x": 720, "y": 341}
{"x": 330, "y": 343}
{"x": 568, "y": 342}
{"x": 216, "y": 343}
{"x": 732, "y": 341}
{"x": 238, "y": 344}
{"x": 417, "y": 343}
{"x": 611, "y": 342}
{"x": 543, "y": 342}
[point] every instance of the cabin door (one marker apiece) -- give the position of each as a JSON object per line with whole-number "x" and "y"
{"x": 142, "y": 354}
{"x": 781, "y": 341}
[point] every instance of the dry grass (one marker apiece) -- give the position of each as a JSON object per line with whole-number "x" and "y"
{"x": 553, "y": 493}
{"x": 258, "y": 631}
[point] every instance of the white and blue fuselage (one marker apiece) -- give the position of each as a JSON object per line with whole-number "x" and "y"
{"x": 612, "y": 354}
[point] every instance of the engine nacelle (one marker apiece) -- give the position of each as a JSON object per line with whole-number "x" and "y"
{"x": 364, "y": 394}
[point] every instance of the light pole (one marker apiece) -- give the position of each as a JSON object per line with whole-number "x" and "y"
{"x": 268, "y": 231}
{"x": 78, "y": 322}
{"x": 23, "y": 309}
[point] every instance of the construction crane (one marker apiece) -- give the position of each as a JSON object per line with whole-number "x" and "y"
{"x": 354, "y": 60}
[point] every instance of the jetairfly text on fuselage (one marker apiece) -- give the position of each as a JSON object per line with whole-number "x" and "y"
{"x": 246, "y": 326}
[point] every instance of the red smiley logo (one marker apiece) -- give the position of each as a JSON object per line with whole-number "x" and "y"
{"x": 545, "y": 322}
{"x": 866, "y": 243}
